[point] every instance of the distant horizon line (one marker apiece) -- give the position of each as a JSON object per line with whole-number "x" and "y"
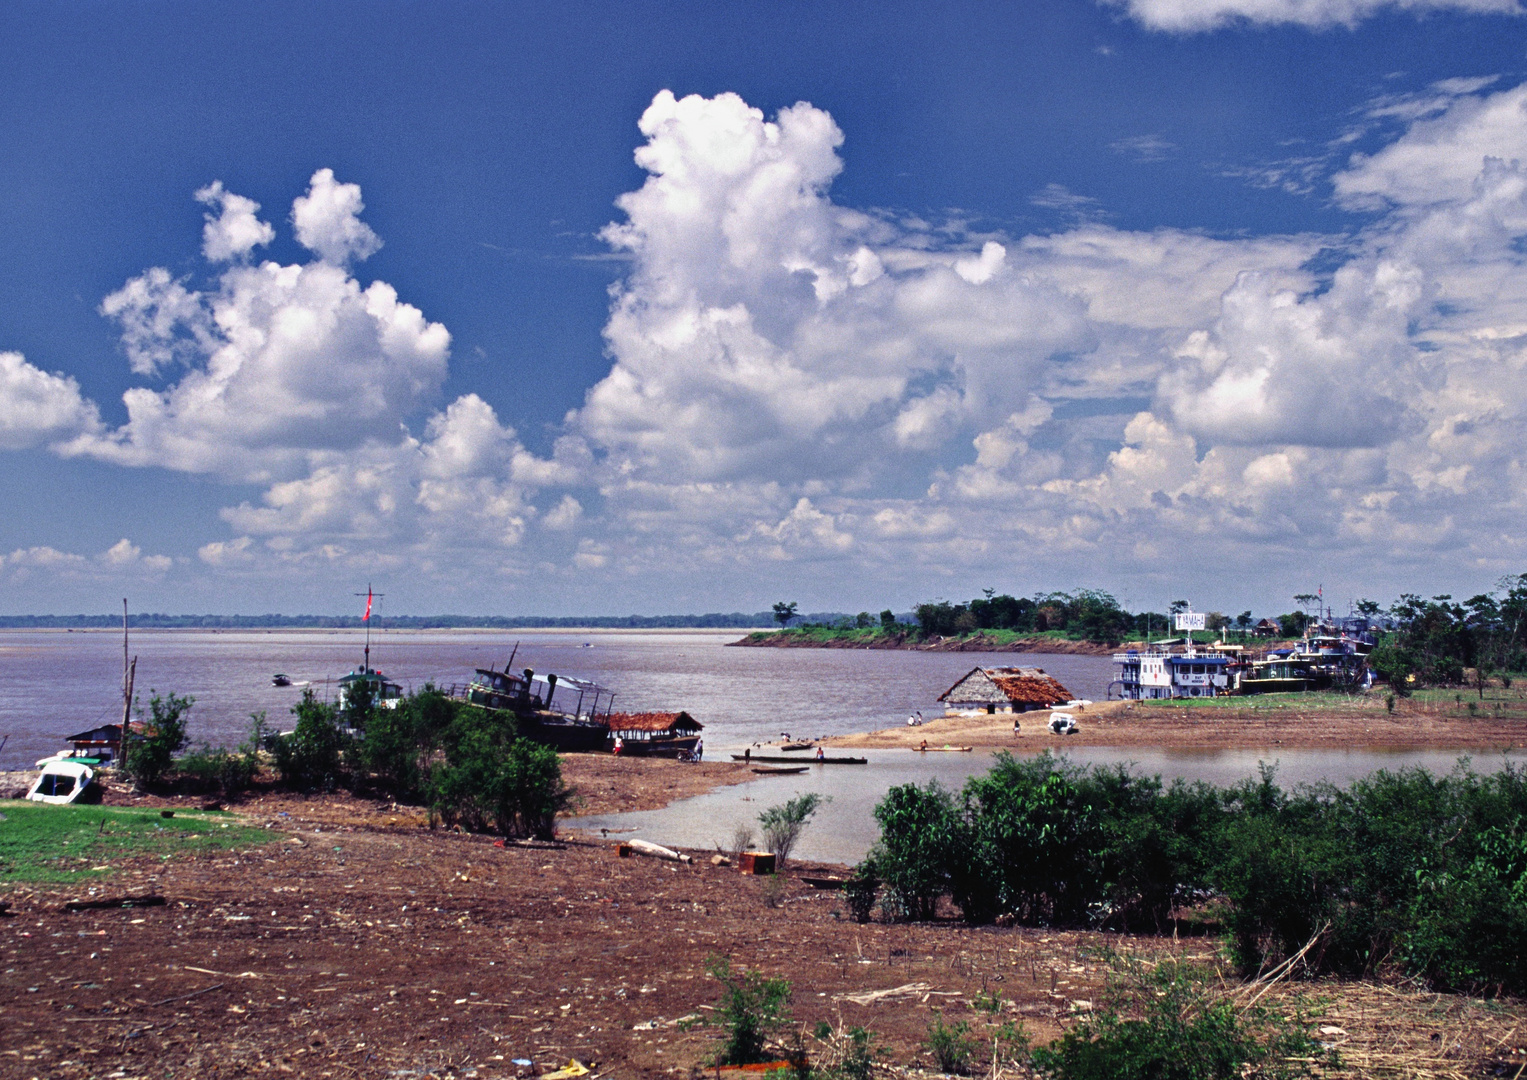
{"x": 158, "y": 620}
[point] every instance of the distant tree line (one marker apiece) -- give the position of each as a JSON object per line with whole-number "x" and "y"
{"x": 1090, "y": 614}
{"x": 1442, "y": 642}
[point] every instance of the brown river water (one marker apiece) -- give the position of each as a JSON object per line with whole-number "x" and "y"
{"x": 55, "y": 683}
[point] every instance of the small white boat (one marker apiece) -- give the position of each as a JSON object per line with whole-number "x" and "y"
{"x": 62, "y": 782}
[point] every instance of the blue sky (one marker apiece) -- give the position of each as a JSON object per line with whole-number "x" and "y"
{"x": 1215, "y": 298}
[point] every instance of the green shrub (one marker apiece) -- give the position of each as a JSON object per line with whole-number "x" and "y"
{"x": 230, "y": 771}
{"x": 311, "y": 758}
{"x": 491, "y": 778}
{"x": 1163, "y": 1023}
{"x": 216, "y": 767}
{"x": 753, "y": 1007}
{"x": 950, "y": 1045}
{"x": 1468, "y": 927}
{"x": 396, "y": 744}
{"x": 782, "y": 825}
{"x": 1035, "y": 844}
{"x": 922, "y": 837}
{"x": 151, "y": 751}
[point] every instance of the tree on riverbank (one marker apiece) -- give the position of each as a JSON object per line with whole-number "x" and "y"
{"x": 468, "y": 765}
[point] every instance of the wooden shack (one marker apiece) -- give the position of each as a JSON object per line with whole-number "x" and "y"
{"x": 99, "y": 742}
{"x": 1005, "y": 690}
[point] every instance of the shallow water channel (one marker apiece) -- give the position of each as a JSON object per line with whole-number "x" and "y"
{"x": 843, "y": 830}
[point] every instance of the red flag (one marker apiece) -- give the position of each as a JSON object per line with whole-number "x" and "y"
{"x": 368, "y": 604}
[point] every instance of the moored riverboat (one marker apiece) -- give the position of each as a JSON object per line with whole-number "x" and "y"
{"x": 1167, "y": 671}
{"x": 529, "y": 697}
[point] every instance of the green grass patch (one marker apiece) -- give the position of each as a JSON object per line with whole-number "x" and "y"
{"x": 54, "y": 844}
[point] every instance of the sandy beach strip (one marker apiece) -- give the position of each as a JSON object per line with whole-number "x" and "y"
{"x": 1260, "y": 723}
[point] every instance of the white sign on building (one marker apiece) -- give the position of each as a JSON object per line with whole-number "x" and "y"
{"x": 1189, "y": 620}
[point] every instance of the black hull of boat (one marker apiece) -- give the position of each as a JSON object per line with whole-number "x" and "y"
{"x": 658, "y": 747}
{"x": 568, "y": 738}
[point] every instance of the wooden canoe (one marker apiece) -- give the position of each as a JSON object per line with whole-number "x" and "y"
{"x": 943, "y": 749}
{"x": 780, "y": 770}
{"x": 769, "y": 759}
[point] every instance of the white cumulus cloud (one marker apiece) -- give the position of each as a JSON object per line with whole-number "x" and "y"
{"x": 235, "y": 231}
{"x": 38, "y": 407}
{"x": 282, "y": 360}
{"x": 1190, "y": 16}
{"x": 327, "y": 220}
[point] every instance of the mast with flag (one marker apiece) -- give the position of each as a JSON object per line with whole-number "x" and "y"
{"x": 366, "y": 618}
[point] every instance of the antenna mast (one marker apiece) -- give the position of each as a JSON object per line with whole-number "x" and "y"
{"x": 366, "y": 618}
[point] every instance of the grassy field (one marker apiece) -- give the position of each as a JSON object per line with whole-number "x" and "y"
{"x": 40, "y": 843}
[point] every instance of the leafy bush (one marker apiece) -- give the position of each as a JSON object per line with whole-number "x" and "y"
{"x": 1468, "y": 927}
{"x": 216, "y": 767}
{"x": 753, "y": 1007}
{"x": 922, "y": 837}
{"x": 151, "y": 751}
{"x": 231, "y": 771}
{"x": 397, "y": 743}
{"x": 1034, "y": 840}
{"x": 1163, "y": 1023}
{"x": 950, "y": 1045}
{"x": 782, "y": 825}
{"x": 1400, "y": 867}
{"x": 492, "y": 778}
{"x": 311, "y": 758}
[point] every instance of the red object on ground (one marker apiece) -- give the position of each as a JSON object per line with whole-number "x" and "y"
{"x": 757, "y": 862}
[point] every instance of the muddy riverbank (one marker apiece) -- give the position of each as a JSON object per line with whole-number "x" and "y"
{"x": 1267, "y": 723}
{"x": 353, "y": 943}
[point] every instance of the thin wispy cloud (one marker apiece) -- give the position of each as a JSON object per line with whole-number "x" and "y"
{"x": 1144, "y": 147}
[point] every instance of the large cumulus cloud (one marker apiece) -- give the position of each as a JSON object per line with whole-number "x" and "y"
{"x": 305, "y": 380}
{"x": 785, "y": 369}
{"x": 803, "y": 392}
{"x": 279, "y": 360}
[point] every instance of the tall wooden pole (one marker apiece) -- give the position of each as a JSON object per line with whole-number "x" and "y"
{"x": 129, "y": 670}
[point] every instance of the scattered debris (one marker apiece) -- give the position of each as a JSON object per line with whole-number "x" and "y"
{"x": 151, "y": 900}
{"x": 869, "y": 997}
{"x": 657, "y": 851}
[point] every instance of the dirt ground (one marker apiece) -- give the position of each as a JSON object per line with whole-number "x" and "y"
{"x": 1365, "y": 724}
{"x": 354, "y": 944}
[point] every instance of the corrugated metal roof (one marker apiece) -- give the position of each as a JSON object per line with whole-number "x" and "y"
{"x": 654, "y": 722}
